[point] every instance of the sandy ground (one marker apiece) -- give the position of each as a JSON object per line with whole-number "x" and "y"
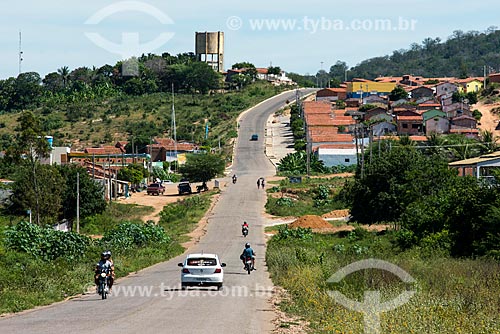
{"x": 489, "y": 120}
{"x": 158, "y": 202}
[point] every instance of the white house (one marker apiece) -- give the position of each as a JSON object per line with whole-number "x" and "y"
{"x": 337, "y": 156}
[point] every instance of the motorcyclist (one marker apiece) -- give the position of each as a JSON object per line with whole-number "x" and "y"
{"x": 107, "y": 264}
{"x": 248, "y": 252}
{"x": 244, "y": 227}
{"x": 235, "y": 178}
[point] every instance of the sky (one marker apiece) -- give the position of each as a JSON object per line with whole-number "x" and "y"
{"x": 299, "y": 36}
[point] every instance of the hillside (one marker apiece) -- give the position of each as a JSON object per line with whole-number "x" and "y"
{"x": 104, "y": 121}
{"x": 463, "y": 54}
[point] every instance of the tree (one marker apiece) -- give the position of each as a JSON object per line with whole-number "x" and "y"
{"x": 392, "y": 181}
{"x": 92, "y": 200}
{"x": 202, "y": 167}
{"x": 489, "y": 141}
{"x": 53, "y": 82}
{"x": 338, "y": 71}
{"x": 248, "y": 67}
{"x": 296, "y": 164}
{"x": 201, "y": 77}
{"x": 27, "y": 90}
{"x": 398, "y": 93}
{"x": 28, "y": 148}
{"x": 276, "y": 70}
{"x": 134, "y": 173}
{"x": 64, "y": 73}
{"x": 7, "y": 92}
{"x": 45, "y": 205}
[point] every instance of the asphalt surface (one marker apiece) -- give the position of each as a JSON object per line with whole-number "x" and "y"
{"x": 151, "y": 301}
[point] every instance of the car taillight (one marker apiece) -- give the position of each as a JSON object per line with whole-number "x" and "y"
{"x": 218, "y": 270}
{"x": 185, "y": 271}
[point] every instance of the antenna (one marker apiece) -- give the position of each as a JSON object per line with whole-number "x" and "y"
{"x": 20, "y": 52}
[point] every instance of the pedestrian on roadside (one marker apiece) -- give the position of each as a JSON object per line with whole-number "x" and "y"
{"x": 258, "y": 183}
{"x": 262, "y": 183}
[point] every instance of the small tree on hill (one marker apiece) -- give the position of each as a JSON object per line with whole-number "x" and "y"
{"x": 202, "y": 167}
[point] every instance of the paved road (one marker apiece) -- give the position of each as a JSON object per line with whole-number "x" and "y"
{"x": 151, "y": 301}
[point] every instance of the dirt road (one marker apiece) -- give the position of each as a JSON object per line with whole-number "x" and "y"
{"x": 158, "y": 202}
{"x": 489, "y": 120}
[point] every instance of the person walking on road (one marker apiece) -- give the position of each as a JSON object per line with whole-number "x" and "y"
{"x": 262, "y": 183}
{"x": 258, "y": 183}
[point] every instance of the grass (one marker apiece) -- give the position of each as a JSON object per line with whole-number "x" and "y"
{"x": 115, "y": 214}
{"x": 105, "y": 121}
{"x": 453, "y": 295}
{"x": 182, "y": 217}
{"x": 27, "y": 282}
{"x": 298, "y": 199}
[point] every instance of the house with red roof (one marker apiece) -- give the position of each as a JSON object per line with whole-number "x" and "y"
{"x": 165, "y": 149}
{"x": 331, "y": 94}
{"x": 409, "y": 123}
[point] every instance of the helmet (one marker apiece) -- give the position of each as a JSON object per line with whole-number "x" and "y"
{"x": 103, "y": 254}
{"x": 108, "y": 252}
{"x": 247, "y": 245}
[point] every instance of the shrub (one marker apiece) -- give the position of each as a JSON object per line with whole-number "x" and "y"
{"x": 298, "y": 233}
{"x": 128, "y": 235}
{"x": 45, "y": 243}
{"x": 284, "y": 201}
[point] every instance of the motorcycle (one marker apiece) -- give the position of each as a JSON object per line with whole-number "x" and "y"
{"x": 103, "y": 286}
{"x": 234, "y": 179}
{"x": 202, "y": 187}
{"x": 248, "y": 264}
{"x": 244, "y": 231}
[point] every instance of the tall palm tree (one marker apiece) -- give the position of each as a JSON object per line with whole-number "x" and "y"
{"x": 489, "y": 141}
{"x": 64, "y": 73}
{"x": 436, "y": 142}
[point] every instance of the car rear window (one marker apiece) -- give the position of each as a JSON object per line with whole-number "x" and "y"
{"x": 201, "y": 262}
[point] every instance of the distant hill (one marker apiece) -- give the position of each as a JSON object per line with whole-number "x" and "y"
{"x": 463, "y": 54}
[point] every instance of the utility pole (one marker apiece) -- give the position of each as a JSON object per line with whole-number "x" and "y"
{"x": 362, "y": 151}
{"x": 484, "y": 78}
{"x": 356, "y": 139}
{"x": 321, "y": 71}
{"x": 77, "y": 202}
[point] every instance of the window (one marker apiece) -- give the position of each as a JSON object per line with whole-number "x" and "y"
{"x": 405, "y": 126}
{"x": 415, "y": 126}
{"x": 202, "y": 262}
{"x": 347, "y": 160}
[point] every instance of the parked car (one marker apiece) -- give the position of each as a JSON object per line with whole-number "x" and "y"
{"x": 202, "y": 270}
{"x": 155, "y": 189}
{"x": 184, "y": 188}
{"x": 254, "y": 137}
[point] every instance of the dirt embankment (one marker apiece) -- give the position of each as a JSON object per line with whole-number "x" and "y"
{"x": 489, "y": 119}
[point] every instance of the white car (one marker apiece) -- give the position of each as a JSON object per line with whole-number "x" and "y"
{"x": 202, "y": 270}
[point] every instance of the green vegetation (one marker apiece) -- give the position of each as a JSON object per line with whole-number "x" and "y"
{"x": 428, "y": 201}
{"x": 313, "y": 196}
{"x": 32, "y": 258}
{"x": 202, "y": 167}
{"x": 85, "y": 108}
{"x": 182, "y": 217}
{"x": 463, "y": 54}
{"x": 452, "y": 295}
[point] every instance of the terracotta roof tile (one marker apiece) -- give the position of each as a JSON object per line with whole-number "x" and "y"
{"x": 342, "y": 138}
{"x": 410, "y": 118}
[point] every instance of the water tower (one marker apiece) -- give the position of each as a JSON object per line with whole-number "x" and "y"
{"x": 209, "y": 48}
